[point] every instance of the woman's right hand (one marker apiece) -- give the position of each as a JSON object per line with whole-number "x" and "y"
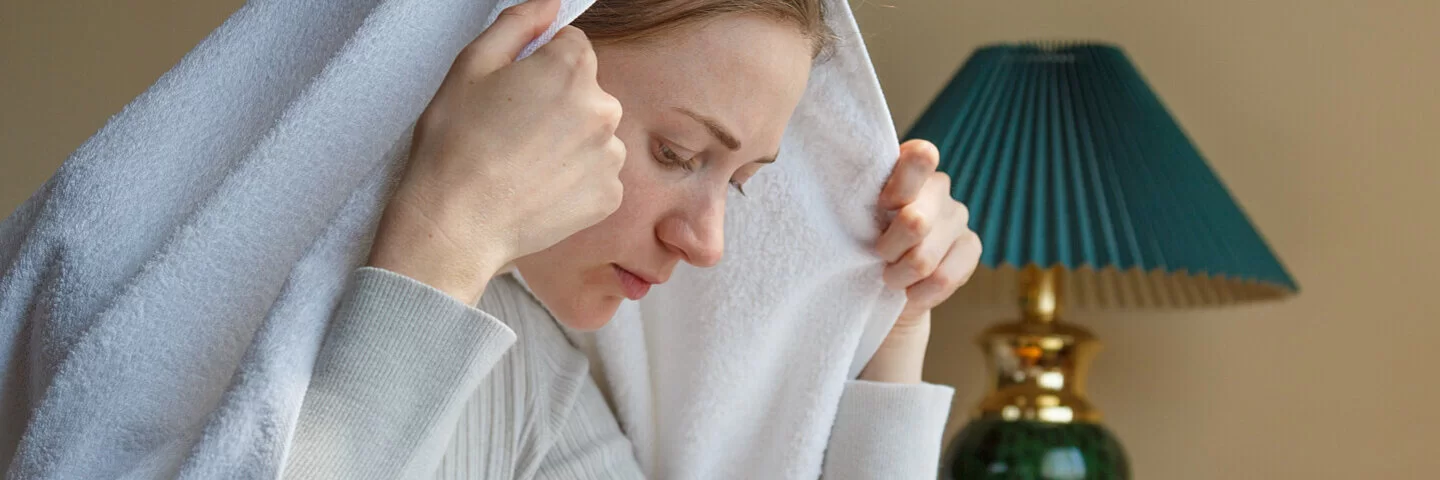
{"x": 509, "y": 158}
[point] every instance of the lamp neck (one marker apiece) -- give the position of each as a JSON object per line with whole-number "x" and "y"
{"x": 1040, "y": 292}
{"x": 1038, "y": 364}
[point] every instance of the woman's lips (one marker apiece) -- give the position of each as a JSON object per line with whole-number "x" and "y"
{"x": 634, "y": 287}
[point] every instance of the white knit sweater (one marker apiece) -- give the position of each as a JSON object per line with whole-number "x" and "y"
{"x": 412, "y": 383}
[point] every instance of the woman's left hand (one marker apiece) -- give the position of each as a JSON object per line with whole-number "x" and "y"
{"x": 930, "y": 252}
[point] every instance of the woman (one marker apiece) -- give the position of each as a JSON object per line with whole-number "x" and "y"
{"x": 531, "y": 166}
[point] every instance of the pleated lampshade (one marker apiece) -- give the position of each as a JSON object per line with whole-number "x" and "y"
{"x": 1068, "y": 160}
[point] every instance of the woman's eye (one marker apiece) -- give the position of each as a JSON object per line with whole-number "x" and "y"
{"x": 739, "y": 187}
{"x": 670, "y": 158}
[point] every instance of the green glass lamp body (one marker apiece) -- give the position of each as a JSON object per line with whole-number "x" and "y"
{"x": 1004, "y": 449}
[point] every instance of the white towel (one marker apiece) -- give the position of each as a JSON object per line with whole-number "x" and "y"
{"x": 736, "y": 371}
{"x": 164, "y": 294}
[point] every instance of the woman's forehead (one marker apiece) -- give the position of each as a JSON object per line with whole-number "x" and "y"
{"x": 745, "y": 73}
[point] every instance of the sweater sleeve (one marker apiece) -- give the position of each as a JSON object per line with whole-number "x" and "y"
{"x": 887, "y": 431}
{"x": 394, "y": 372}
{"x": 589, "y": 444}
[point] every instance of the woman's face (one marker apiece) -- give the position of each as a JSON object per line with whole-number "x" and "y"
{"x": 704, "y": 109}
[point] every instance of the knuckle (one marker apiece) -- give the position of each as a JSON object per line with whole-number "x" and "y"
{"x": 571, "y": 48}
{"x": 584, "y": 57}
{"x": 942, "y": 180}
{"x": 920, "y": 262}
{"x": 568, "y": 56}
{"x": 564, "y": 48}
{"x": 617, "y": 152}
{"x": 609, "y": 111}
{"x": 912, "y": 223}
{"x": 943, "y": 278}
{"x": 617, "y": 109}
{"x": 962, "y": 212}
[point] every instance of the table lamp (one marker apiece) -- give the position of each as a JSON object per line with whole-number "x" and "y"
{"x": 1086, "y": 194}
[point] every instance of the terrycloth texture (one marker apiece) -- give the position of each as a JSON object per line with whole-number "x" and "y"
{"x": 165, "y": 293}
{"x": 736, "y": 371}
{"x": 407, "y": 369}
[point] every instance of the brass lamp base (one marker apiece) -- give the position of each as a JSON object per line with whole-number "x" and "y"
{"x": 1035, "y": 422}
{"x": 1038, "y": 372}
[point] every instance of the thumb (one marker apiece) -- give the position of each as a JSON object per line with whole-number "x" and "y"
{"x": 515, "y": 28}
{"x": 918, "y": 159}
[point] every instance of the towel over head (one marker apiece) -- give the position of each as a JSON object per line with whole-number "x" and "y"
{"x": 164, "y": 294}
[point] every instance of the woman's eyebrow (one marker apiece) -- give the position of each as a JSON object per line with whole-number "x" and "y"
{"x": 714, "y": 127}
{"x": 721, "y": 133}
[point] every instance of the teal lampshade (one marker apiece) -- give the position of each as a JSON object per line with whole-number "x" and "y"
{"x": 1067, "y": 159}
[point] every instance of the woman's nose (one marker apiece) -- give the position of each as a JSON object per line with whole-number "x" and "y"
{"x": 699, "y": 233}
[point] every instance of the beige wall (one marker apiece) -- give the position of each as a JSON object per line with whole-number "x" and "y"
{"x": 1318, "y": 114}
{"x": 1312, "y": 111}
{"x": 66, "y": 66}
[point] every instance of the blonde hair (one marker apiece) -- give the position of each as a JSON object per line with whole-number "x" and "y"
{"x": 617, "y": 21}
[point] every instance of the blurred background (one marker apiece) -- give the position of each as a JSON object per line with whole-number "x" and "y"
{"x": 1315, "y": 113}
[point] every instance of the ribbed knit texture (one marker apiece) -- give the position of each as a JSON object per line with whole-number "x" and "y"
{"x": 888, "y": 430}
{"x": 396, "y": 351}
{"x": 538, "y": 414}
{"x": 412, "y": 383}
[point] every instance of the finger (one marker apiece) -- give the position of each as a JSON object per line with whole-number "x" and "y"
{"x": 932, "y": 213}
{"x": 909, "y": 227}
{"x": 609, "y": 112}
{"x": 515, "y": 28}
{"x": 616, "y": 152}
{"x": 953, "y": 272}
{"x": 918, "y": 263}
{"x": 572, "y": 48}
{"x": 918, "y": 159}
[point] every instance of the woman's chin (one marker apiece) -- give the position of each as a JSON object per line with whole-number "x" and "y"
{"x": 590, "y": 315}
